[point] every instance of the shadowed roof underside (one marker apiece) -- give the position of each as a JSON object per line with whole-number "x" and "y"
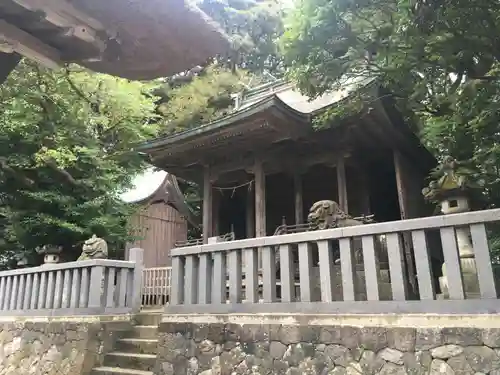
{"x": 135, "y": 39}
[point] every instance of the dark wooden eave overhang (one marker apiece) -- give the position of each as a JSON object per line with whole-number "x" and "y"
{"x": 134, "y": 39}
{"x": 257, "y": 126}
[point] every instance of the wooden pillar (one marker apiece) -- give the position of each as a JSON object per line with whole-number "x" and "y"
{"x": 250, "y": 213}
{"x": 401, "y": 185}
{"x": 342, "y": 185}
{"x": 409, "y": 179}
{"x": 404, "y": 209}
{"x": 260, "y": 199}
{"x": 207, "y": 205}
{"x": 216, "y": 197}
{"x": 299, "y": 201}
{"x": 364, "y": 193}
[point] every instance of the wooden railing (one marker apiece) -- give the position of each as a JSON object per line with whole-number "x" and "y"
{"x": 90, "y": 287}
{"x": 156, "y": 286}
{"x": 199, "y": 273}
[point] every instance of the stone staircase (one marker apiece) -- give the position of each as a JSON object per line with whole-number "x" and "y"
{"x": 135, "y": 352}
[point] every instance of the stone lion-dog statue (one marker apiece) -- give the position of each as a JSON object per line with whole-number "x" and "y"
{"x": 94, "y": 248}
{"x": 326, "y": 214}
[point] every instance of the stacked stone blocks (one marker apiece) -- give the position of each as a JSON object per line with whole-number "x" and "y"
{"x": 229, "y": 349}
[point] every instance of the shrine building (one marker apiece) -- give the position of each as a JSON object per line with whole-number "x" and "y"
{"x": 264, "y": 165}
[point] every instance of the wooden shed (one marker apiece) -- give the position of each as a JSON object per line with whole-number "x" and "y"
{"x": 162, "y": 218}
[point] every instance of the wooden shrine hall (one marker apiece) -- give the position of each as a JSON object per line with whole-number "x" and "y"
{"x": 264, "y": 164}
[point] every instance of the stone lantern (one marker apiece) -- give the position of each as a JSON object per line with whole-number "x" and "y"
{"x": 452, "y": 188}
{"x": 51, "y": 253}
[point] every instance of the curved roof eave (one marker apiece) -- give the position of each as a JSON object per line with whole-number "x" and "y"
{"x": 139, "y": 195}
{"x": 273, "y": 101}
{"x": 260, "y": 106}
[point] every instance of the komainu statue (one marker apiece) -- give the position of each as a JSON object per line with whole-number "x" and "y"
{"x": 327, "y": 215}
{"x": 94, "y": 248}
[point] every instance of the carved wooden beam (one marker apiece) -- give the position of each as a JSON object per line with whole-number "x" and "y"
{"x": 64, "y": 15}
{"x": 13, "y": 39}
{"x": 61, "y": 13}
{"x": 279, "y": 159}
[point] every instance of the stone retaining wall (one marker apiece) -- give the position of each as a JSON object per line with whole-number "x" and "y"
{"x": 232, "y": 349}
{"x": 52, "y": 347}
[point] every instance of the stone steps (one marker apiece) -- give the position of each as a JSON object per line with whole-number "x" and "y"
{"x": 137, "y": 345}
{"x": 134, "y": 353}
{"x": 135, "y": 361}
{"x": 118, "y": 371}
{"x": 144, "y": 332}
{"x": 148, "y": 318}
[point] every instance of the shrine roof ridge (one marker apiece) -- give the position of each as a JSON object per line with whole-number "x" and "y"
{"x": 286, "y": 99}
{"x": 226, "y": 121}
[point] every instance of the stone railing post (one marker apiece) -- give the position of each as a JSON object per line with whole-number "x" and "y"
{"x": 177, "y": 282}
{"x": 466, "y": 256}
{"x": 136, "y": 255}
{"x": 96, "y": 291}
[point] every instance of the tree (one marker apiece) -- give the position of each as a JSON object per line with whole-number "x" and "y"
{"x": 66, "y": 142}
{"x": 438, "y": 59}
{"x": 204, "y": 98}
{"x": 204, "y": 93}
{"x": 255, "y": 27}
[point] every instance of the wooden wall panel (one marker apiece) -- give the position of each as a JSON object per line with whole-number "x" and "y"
{"x": 161, "y": 226}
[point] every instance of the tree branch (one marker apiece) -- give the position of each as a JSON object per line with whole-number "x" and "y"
{"x": 52, "y": 164}
{"x": 75, "y": 88}
{"x": 23, "y": 179}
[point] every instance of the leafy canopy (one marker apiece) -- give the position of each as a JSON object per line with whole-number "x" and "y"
{"x": 206, "y": 97}
{"x": 439, "y": 59}
{"x": 66, "y": 140}
{"x": 254, "y": 26}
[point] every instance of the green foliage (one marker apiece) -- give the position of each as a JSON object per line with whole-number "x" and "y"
{"x": 439, "y": 60}
{"x": 65, "y": 153}
{"x": 203, "y": 94}
{"x": 254, "y": 26}
{"x": 204, "y": 99}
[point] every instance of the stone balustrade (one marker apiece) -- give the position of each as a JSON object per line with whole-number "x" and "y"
{"x": 225, "y": 277}
{"x": 90, "y": 287}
